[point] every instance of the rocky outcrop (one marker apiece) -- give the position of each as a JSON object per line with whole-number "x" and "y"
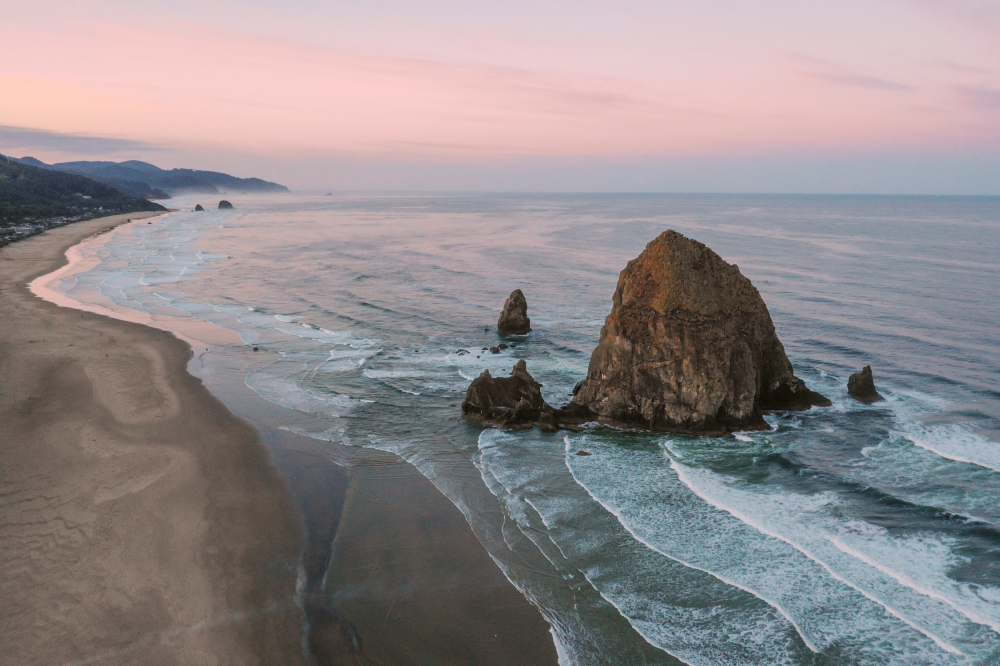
{"x": 198, "y": 207}
{"x": 689, "y": 346}
{"x": 514, "y": 318}
{"x": 508, "y": 402}
{"x": 224, "y": 205}
{"x": 861, "y": 386}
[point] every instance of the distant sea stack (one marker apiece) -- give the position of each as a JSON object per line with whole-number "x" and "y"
{"x": 689, "y": 346}
{"x": 861, "y": 386}
{"x": 198, "y": 207}
{"x": 514, "y": 318}
{"x": 224, "y": 205}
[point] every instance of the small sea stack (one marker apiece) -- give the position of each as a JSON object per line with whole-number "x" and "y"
{"x": 199, "y": 207}
{"x": 224, "y": 205}
{"x": 861, "y": 386}
{"x": 508, "y": 402}
{"x": 514, "y": 318}
{"x": 689, "y": 346}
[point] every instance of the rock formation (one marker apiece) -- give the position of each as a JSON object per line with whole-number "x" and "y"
{"x": 861, "y": 386}
{"x": 198, "y": 207}
{"x": 508, "y": 402}
{"x": 224, "y": 204}
{"x": 689, "y": 346}
{"x": 514, "y": 318}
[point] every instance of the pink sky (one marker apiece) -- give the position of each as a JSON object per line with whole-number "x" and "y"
{"x": 308, "y": 83}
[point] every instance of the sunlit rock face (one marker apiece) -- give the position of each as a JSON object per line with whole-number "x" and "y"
{"x": 689, "y": 346}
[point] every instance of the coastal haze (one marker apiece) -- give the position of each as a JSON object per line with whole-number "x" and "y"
{"x": 849, "y": 534}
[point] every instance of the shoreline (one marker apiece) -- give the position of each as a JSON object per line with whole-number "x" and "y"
{"x": 127, "y": 534}
{"x": 413, "y": 591}
{"x": 82, "y": 257}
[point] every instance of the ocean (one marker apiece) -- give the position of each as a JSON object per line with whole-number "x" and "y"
{"x": 851, "y": 534}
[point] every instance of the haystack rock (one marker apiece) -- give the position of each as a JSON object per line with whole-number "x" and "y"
{"x": 861, "y": 386}
{"x": 507, "y": 402}
{"x": 224, "y": 204}
{"x": 198, "y": 207}
{"x": 514, "y": 318}
{"x": 689, "y": 346}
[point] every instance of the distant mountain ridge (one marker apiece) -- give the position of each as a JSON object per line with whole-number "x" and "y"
{"x": 151, "y": 182}
{"x": 37, "y": 198}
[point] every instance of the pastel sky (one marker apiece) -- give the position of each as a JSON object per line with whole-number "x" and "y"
{"x": 719, "y": 96}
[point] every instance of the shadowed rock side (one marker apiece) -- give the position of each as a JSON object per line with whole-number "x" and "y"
{"x": 514, "y": 318}
{"x": 861, "y": 386}
{"x": 508, "y": 402}
{"x": 689, "y": 346}
{"x": 224, "y": 204}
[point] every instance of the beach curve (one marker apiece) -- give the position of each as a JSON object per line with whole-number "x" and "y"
{"x": 141, "y": 520}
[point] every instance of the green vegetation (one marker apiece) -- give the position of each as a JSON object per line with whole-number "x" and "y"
{"x": 36, "y": 199}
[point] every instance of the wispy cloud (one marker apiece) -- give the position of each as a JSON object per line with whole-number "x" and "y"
{"x": 25, "y": 138}
{"x": 855, "y": 80}
{"x": 965, "y": 69}
{"x": 980, "y": 97}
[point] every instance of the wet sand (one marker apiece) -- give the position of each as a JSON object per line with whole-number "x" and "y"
{"x": 141, "y": 522}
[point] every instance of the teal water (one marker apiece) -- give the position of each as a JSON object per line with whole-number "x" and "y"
{"x": 852, "y": 534}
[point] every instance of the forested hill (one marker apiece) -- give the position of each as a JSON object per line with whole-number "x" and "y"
{"x": 29, "y": 194}
{"x": 136, "y": 174}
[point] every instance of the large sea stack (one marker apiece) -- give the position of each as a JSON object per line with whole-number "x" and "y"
{"x": 514, "y": 318}
{"x": 689, "y": 346}
{"x": 224, "y": 205}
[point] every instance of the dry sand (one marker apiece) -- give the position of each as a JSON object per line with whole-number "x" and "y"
{"x": 140, "y": 521}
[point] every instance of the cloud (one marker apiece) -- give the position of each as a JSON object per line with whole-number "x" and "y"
{"x": 958, "y": 67}
{"x": 26, "y": 138}
{"x": 980, "y": 97}
{"x": 855, "y": 80}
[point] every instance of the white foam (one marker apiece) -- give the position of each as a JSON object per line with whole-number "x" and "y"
{"x": 688, "y": 475}
{"x": 954, "y": 441}
{"x": 812, "y": 568}
{"x": 525, "y": 478}
{"x": 397, "y": 374}
{"x": 287, "y": 392}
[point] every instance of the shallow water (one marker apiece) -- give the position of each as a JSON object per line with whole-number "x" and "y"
{"x": 852, "y": 534}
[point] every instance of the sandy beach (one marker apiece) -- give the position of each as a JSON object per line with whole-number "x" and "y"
{"x": 144, "y": 523}
{"x": 141, "y": 521}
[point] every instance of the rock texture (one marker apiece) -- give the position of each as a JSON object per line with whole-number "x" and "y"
{"x": 199, "y": 207}
{"x": 514, "y": 318}
{"x": 689, "y": 346}
{"x": 861, "y": 386}
{"x": 508, "y": 402}
{"x": 224, "y": 204}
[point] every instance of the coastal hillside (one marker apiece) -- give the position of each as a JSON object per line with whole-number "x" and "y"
{"x": 34, "y": 199}
{"x": 140, "y": 178}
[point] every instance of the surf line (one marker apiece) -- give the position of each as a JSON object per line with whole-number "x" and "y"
{"x": 774, "y": 604}
{"x": 947, "y": 456}
{"x": 552, "y": 617}
{"x": 677, "y": 467}
{"x": 906, "y": 581}
{"x": 539, "y": 534}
